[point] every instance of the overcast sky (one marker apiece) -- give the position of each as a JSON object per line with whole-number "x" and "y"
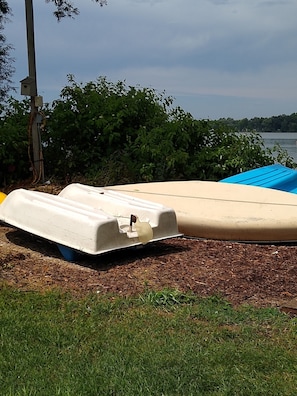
{"x": 217, "y": 58}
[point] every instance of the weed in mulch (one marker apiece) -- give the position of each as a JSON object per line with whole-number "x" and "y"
{"x": 9, "y": 260}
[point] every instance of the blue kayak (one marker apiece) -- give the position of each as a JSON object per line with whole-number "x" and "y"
{"x": 277, "y": 177}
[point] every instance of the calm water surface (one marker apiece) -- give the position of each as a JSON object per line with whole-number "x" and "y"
{"x": 287, "y": 140}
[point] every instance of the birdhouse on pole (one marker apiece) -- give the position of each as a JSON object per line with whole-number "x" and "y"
{"x": 28, "y": 86}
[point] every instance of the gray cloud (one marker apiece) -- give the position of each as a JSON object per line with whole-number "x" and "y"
{"x": 234, "y": 50}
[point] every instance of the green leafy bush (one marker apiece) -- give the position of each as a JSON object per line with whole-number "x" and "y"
{"x": 113, "y": 133}
{"x": 14, "y": 160}
{"x": 94, "y": 125}
{"x": 108, "y": 133}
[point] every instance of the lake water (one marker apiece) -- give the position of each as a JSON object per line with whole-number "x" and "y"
{"x": 287, "y": 140}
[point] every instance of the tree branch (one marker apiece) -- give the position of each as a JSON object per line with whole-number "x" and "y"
{"x": 65, "y": 8}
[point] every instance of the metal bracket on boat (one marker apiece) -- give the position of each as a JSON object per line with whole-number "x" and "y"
{"x": 133, "y": 219}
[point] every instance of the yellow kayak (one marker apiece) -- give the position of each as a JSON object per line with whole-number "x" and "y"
{"x": 2, "y": 196}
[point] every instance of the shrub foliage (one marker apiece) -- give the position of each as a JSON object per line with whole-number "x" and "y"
{"x": 113, "y": 133}
{"x": 14, "y": 141}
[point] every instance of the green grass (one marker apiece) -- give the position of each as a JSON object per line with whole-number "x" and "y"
{"x": 163, "y": 343}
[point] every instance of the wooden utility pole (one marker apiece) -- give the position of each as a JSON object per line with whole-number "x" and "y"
{"x": 30, "y": 88}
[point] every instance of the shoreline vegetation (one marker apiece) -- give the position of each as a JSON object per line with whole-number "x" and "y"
{"x": 111, "y": 133}
{"x": 281, "y": 123}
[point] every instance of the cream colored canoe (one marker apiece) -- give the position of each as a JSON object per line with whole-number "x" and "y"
{"x": 224, "y": 211}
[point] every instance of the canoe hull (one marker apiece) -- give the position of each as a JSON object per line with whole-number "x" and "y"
{"x": 224, "y": 211}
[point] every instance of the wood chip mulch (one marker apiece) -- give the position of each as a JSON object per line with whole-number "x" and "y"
{"x": 259, "y": 275}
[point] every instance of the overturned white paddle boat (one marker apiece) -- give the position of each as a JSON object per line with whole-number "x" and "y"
{"x": 92, "y": 225}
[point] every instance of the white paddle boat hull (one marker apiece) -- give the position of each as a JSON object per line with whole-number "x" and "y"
{"x": 87, "y": 226}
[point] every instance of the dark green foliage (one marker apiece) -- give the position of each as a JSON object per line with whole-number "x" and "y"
{"x": 280, "y": 123}
{"x": 111, "y": 133}
{"x": 96, "y": 125}
{"x": 227, "y": 153}
{"x": 14, "y": 160}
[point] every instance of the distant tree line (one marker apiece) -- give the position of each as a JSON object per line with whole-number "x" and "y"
{"x": 280, "y": 123}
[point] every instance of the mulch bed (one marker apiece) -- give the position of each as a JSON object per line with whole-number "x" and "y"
{"x": 259, "y": 275}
